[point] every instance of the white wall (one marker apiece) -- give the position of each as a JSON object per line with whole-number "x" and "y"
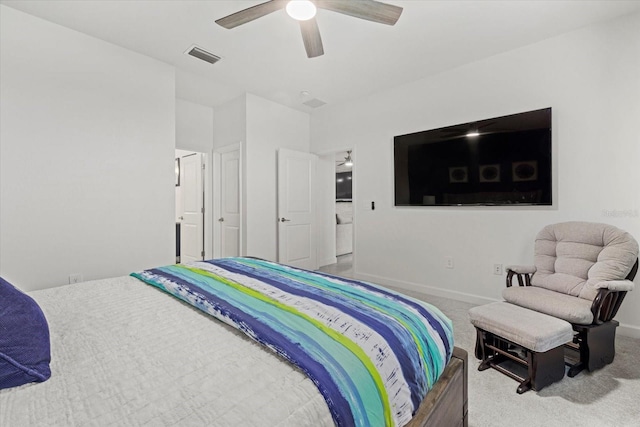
{"x": 194, "y": 133}
{"x": 269, "y": 126}
{"x": 261, "y": 127}
{"x": 194, "y": 127}
{"x": 230, "y": 127}
{"x": 590, "y": 77}
{"x": 230, "y": 122}
{"x": 87, "y": 148}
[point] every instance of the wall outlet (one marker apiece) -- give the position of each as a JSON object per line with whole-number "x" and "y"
{"x": 497, "y": 269}
{"x": 75, "y": 278}
{"x": 448, "y": 262}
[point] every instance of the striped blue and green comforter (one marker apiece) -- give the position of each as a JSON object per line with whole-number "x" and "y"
{"x": 372, "y": 353}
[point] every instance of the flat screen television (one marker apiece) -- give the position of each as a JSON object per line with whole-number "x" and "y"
{"x": 343, "y": 186}
{"x": 494, "y": 162}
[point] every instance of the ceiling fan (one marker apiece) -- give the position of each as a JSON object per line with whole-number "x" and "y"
{"x": 305, "y": 10}
{"x": 348, "y": 162}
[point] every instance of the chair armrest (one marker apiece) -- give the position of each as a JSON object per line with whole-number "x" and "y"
{"x": 616, "y": 285}
{"x": 606, "y": 304}
{"x": 522, "y": 272}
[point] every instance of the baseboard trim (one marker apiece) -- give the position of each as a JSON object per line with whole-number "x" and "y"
{"x": 629, "y": 331}
{"x": 327, "y": 261}
{"x": 428, "y": 290}
{"x": 624, "y": 329}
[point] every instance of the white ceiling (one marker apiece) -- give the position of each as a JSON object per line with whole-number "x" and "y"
{"x": 266, "y": 57}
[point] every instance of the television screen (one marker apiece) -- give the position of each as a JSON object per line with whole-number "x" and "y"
{"x": 343, "y": 186}
{"x": 500, "y": 161}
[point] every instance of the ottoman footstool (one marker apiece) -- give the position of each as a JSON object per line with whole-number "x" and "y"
{"x": 535, "y": 343}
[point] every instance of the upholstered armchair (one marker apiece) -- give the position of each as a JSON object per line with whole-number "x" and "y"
{"x": 581, "y": 274}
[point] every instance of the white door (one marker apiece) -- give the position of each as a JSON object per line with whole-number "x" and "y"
{"x": 191, "y": 228}
{"x": 230, "y": 203}
{"x": 296, "y": 209}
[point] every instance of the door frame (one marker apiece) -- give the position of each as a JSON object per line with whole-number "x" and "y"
{"x": 217, "y": 204}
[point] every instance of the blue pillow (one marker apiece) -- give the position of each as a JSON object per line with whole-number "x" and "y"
{"x": 24, "y": 339}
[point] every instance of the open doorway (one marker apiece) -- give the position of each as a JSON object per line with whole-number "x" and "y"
{"x": 339, "y": 232}
{"x": 344, "y": 206}
{"x": 190, "y": 205}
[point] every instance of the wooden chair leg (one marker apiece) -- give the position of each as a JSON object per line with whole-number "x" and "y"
{"x": 601, "y": 345}
{"x": 597, "y": 346}
{"x": 480, "y": 350}
{"x": 575, "y": 369}
{"x": 546, "y": 368}
{"x": 524, "y": 386}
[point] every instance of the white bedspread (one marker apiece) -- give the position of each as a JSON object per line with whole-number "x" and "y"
{"x": 126, "y": 354}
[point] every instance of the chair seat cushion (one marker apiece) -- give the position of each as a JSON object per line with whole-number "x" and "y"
{"x": 556, "y": 304}
{"x": 530, "y": 329}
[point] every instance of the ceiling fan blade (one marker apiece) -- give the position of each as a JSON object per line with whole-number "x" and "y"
{"x": 250, "y": 14}
{"x": 311, "y": 38}
{"x": 370, "y": 10}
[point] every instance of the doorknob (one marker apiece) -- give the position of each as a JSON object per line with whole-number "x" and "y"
{"x": 284, "y": 220}
{"x": 220, "y": 219}
{"x": 181, "y": 218}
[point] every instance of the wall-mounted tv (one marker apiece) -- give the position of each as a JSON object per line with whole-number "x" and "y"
{"x": 500, "y": 161}
{"x": 343, "y": 186}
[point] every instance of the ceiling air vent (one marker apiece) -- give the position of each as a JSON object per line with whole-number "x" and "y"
{"x": 202, "y": 54}
{"x": 314, "y": 103}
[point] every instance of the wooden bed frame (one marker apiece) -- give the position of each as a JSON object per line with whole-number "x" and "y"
{"x": 446, "y": 402}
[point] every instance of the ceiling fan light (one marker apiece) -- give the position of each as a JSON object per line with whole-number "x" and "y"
{"x": 347, "y": 160}
{"x": 301, "y": 10}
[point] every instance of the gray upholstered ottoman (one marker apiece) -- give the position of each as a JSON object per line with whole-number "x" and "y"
{"x": 535, "y": 343}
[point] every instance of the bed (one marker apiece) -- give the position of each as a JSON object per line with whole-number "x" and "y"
{"x": 126, "y": 353}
